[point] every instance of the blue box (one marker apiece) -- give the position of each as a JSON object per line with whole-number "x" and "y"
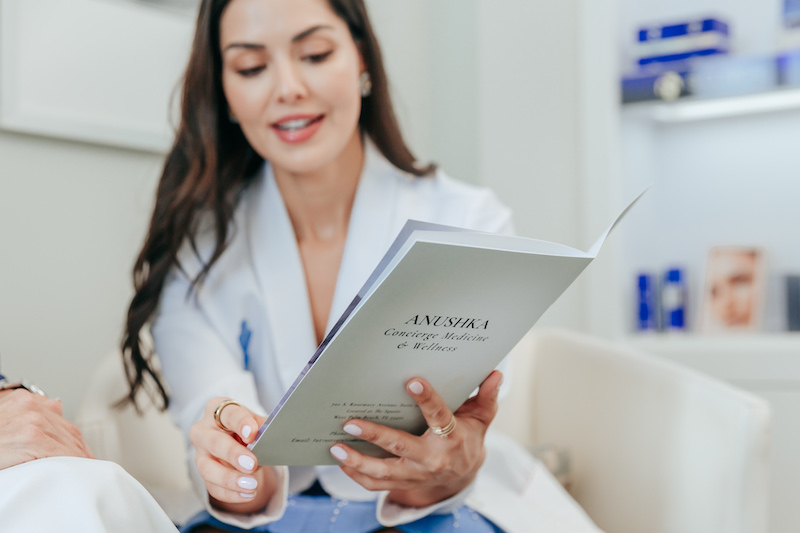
{"x": 662, "y": 81}
{"x": 789, "y": 68}
{"x": 676, "y": 42}
{"x": 791, "y": 13}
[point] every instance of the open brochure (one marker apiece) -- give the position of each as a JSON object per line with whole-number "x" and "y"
{"x": 444, "y": 304}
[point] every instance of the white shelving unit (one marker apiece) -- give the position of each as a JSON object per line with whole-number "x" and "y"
{"x": 695, "y": 109}
{"x": 723, "y": 172}
{"x": 753, "y": 361}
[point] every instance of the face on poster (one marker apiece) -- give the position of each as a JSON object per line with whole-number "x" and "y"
{"x": 734, "y": 289}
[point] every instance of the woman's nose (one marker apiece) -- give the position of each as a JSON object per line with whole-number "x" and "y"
{"x": 290, "y": 85}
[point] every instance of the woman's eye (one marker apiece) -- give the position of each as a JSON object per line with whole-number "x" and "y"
{"x": 318, "y": 58}
{"x": 250, "y": 72}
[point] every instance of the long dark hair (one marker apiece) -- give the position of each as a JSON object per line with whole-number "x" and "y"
{"x": 210, "y": 160}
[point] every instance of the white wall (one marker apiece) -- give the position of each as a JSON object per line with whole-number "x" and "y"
{"x": 491, "y": 91}
{"x": 71, "y": 218}
{"x": 72, "y": 215}
{"x": 529, "y": 142}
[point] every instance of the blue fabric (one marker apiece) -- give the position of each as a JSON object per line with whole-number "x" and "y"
{"x": 323, "y": 514}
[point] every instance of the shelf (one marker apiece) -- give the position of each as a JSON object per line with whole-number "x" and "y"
{"x": 754, "y": 360}
{"x": 697, "y": 109}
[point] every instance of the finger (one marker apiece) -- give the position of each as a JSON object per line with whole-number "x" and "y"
{"x": 223, "y": 482}
{"x": 54, "y": 431}
{"x": 223, "y": 446}
{"x": 483, "y": 406}
{"x": 240, "y": 421}
{"x": 396, "y": 442}
{"x": 67, "y": 438}
{"x": 55, "y": 405}
{"x": 433, "y": 408}
{"x": 80, "y": 444}
{"x": 377, "y": 474}
{"x": 374, "y": 484}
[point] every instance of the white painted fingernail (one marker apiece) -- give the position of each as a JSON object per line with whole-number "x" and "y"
{"x": 339, "y": 453}
{"x": 415, "y": 387}
{"x": 354, "y": 430}
{"x": 247, "y": 462}
{"x": 248, "y": 483}
{"x": 246, "y": 431}
{"x": 248, "y": 496}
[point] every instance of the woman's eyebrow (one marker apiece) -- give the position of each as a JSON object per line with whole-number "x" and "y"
{"x": 246, "y": 46}
{"x": 299, "y": 37}
{"x": 303, "y": 34}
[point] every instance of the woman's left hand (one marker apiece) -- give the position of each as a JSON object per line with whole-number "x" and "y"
{"x": 429, "y": 468}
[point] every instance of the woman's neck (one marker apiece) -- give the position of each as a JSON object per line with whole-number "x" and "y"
{"x": 319, "y": 203}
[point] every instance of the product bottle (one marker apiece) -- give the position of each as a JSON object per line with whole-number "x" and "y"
{"x": 646, "y": 318}
{"x": 673, "y": 300}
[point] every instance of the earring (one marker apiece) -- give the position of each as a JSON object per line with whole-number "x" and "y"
{"x": 366, "y": 84}
{"x": 232, "y": 117}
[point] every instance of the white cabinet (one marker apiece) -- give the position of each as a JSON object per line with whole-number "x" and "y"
{"x": 768, "y": 365}
{"x": 722, "y": 172}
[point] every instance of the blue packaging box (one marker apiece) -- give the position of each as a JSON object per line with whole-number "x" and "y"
{"x": 791, "y": 13}
{"x": 661, "y": 81}
{"x": 789, "y": 68}
{"x": 676, "y": 42}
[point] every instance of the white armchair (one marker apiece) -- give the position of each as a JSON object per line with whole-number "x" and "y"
{"x": 653, "y": 447}
{"x": 149, "y": 446}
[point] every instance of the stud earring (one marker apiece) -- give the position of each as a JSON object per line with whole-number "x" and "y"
{"x": 366, "y": 84}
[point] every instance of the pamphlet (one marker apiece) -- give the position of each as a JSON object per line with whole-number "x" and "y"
{"x": 444, "y": 304}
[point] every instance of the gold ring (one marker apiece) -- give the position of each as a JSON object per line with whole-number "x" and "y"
{"x": 218, "y": 413}
{"x": 445, "y": 431}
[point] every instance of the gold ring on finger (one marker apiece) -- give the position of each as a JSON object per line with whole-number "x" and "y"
{"x": 446, "y": 430}
{"x": 218, "y": 413}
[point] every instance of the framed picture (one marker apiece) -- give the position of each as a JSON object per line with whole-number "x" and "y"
{"x": 733, "y": 292}
{"x": 99, "y": 71}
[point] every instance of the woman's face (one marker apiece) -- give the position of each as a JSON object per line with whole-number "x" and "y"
{"x": 290, "y": 73}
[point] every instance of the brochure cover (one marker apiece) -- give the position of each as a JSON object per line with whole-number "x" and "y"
{"x": 444, "y": 304}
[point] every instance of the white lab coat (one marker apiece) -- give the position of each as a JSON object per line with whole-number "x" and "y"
{"x": 259, "y": 280}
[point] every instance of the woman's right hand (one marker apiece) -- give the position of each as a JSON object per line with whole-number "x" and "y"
{"x": 234, "y": 481}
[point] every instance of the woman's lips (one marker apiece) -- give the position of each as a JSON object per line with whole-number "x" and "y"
{"x": 296, "y": 129}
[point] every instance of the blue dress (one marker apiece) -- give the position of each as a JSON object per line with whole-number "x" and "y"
{"x": 314, "y": 511}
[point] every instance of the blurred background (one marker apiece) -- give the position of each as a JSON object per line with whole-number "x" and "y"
{"x": 567, "y": 109}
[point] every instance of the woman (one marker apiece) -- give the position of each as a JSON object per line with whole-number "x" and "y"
{"x": 287, "y": 182}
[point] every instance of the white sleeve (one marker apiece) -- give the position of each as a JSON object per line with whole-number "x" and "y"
{"x": 66, "y": 493}
{"x": 489, "y": 214}
{"x": 391, "y": 514}
{"x": 198, "y": 366}
{"x": 195, "y": 362}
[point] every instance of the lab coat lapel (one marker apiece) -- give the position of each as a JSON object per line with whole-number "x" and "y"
{"x": 370, "y": 231}
{"x": 374, "y": 222}
{"x": 282, "y": 281}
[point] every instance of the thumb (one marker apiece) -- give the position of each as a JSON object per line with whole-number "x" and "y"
{"x": 484, "y": 404}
